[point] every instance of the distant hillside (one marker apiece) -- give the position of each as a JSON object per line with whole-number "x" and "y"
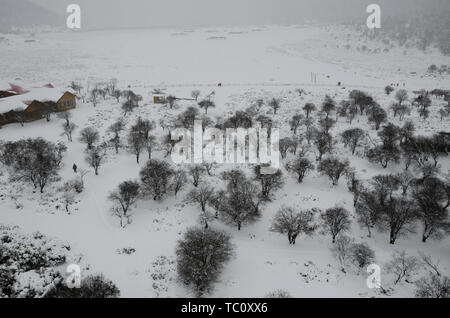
{"x": 24, "y": 14}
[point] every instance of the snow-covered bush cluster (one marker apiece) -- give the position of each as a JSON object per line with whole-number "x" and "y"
{"x": 27, "y": 263}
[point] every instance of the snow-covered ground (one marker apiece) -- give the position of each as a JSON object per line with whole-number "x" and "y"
{"x": 251, "y": 63}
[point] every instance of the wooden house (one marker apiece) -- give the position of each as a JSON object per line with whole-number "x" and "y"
{"x": 4, "y": 94}
{"x": 159, "y": 99}
{"x": 66, "y": 102}
{"x": 36, "y": 109}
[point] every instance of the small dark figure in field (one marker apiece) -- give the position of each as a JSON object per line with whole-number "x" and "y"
{"x": 75, "y": 168}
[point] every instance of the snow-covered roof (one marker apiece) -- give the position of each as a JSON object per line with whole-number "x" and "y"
{"x": 21, "y": 101}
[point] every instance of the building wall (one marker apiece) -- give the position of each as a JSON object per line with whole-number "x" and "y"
{"x": 37, "y": 110}
{"x": 66, "y": 102}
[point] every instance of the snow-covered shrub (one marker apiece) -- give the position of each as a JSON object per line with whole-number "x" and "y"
{"x": 433, "y": 286}
{"x": 402, "y": 266}
{"x": 279, "y": 293}
{"x": 162, "y": 272}
{"x": 94, "y": 286}
{"x": 342, "y": 250}
{"x": 30, "y": 252}
{"x": 7, "y": 280}
{"x": 27, "y": 263}
{"x": 74, "y": 185}
{"x": 35, "y": 283}
{"x": 362, "y": 255}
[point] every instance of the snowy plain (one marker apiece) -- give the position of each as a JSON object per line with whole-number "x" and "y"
{"x": 250, "y": 62}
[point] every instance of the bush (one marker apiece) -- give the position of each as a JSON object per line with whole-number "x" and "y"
{"x": 402, "y": 266}
{"x": 201, "y": 256}
{"x": 279, "y": 293}
{"x": 27, "y": 263}
{"x": 32, "y": 252}
{"x": 362, "y": 255}
{"x": 433, "y": 286}
{"x": 342, "y": 250}
{"x": 93, "y": 286}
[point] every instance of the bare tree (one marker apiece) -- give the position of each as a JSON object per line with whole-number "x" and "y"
{"x": 76, "y": 87}
{"x": 269, "y": 182}
{"x": 195, "y": 94}
{"x": 328, "y": 106}
{"x": 65, "y": 116}
{"x": 433, "y": 286}
{"x": 285, "y": 144}
{"x": 335, "y": 221}
{"x": 179, "y": 180}
{"x": 275, "y": 103}
{"x": 151, "y": 143}
{"x": 155, "y": 178}
{"x": 96, "y": 156}
{"x": 116, "y": 94}
{"x": 201, "y": 257}
{"x": 116, "y": 128}
{"x": 206, "y": 104}
{"x": 377, "y": 116}
{"x": 201, "y": 195}
{"x": 241, "y": 205}
{"x": 196, "y": 172}
{"x": 432, "y": 197}
{"x": 295, "y": 122}
{"x": 300, "y": 166}
{"x": 429, "y": 263}
{"x": 94, "y": 95}
{"x": 68, "y": 195}
{"x": 404, "y": 179}
{"x": 402, "y": 266}
{"x": 234, "y": 177}
{"x": 342, "y": 250}
{"x": 89, "y": 136}
{"x": 399, "y": 217}
{"x": 333, "y": 168}
{"x": 322, "y": 143}
{"x": 290, "y": 222}
{"x": 34, "y": 160}
{"x": 401, "y": 95}
{"x": 352, "y": 137}
{"x": 123, "y": 198}
{"x": 209, "y": 166}
{"x": 309, "y": 108}
{"x": 170, "y": 100}
{"x": 383, "y": 156}
{"x": 68, "y": 130}
{"x": 136, "y": 142}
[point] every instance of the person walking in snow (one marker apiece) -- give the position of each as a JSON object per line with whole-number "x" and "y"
{"x": 75, "y": 168}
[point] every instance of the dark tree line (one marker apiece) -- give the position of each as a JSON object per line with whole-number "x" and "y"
{"x": 33, "y": 160}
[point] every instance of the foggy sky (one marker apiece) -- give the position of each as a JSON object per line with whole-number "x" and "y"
{"x": 99, "y": 14}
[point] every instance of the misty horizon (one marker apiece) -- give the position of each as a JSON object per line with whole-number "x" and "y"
{"x": 101, "y": 14}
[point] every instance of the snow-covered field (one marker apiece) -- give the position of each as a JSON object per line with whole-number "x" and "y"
{"x": 251, "y": 63}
